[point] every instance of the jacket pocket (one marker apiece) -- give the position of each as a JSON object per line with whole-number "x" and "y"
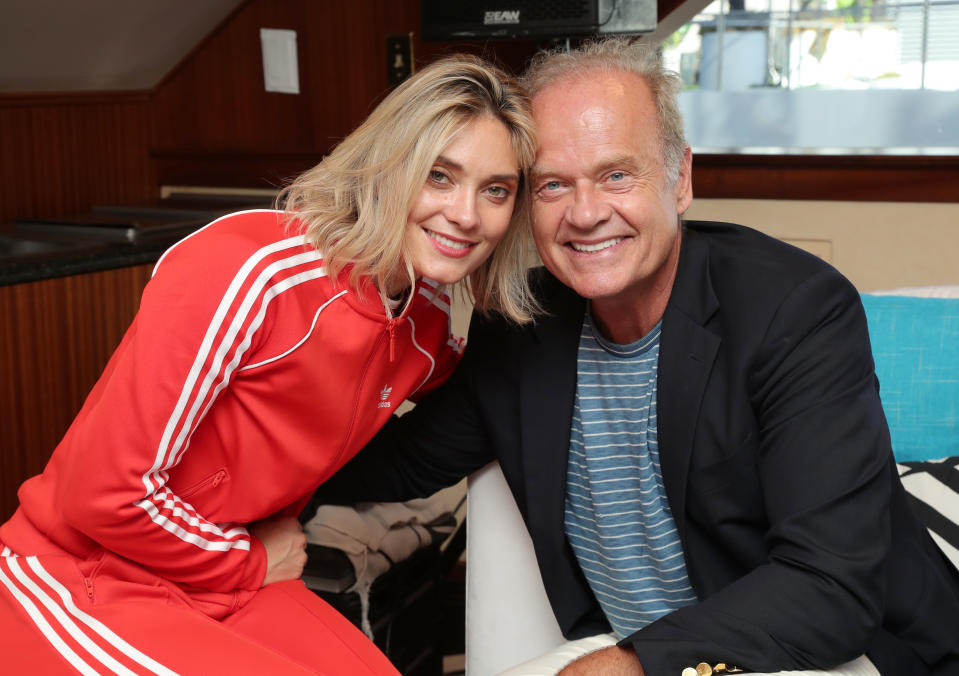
{"x": 211, "y": 481}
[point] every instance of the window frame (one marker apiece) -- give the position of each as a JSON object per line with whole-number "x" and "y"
{"x": 833, "y": 176}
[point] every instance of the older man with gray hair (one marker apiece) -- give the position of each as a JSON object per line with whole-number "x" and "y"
{"x": 692, "y": 428}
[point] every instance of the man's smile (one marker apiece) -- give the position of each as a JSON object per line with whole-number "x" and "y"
{"x": 583, "y": 247}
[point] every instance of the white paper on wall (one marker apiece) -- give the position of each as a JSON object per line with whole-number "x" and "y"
{"x": 280, "y": 68}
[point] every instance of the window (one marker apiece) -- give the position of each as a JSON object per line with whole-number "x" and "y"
{"x": 873, "y": 76}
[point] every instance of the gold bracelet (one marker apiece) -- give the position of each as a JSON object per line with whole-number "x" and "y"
{"x": 703, "y": 669}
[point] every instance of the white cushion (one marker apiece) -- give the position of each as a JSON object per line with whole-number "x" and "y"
{"x": 508, "y": 617}
{"x": 943, "y": 291}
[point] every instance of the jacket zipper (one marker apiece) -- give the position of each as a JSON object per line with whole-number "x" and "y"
{"x": 391, "y": 323}
{"x": 213, "y": 480}
{"x": 356, "y": 397}
{"x": 391, "y": 331}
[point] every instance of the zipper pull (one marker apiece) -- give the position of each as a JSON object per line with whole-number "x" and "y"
{"x": 88, "y": 583}
{"x": 390, "y": 329}
{"x": 218, "y": 478}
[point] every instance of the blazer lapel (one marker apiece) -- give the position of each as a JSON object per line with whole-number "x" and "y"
{"x": 547, "y": 390}
{"x": 686, "y": 356}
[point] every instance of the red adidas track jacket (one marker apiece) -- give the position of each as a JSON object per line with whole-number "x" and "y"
{"x": 245, "y": 380}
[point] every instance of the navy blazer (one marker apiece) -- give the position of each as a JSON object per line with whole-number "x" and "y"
{"x": 775, "y": 456}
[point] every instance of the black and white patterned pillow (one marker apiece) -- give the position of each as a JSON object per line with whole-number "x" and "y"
{"x": 933, "y": 488}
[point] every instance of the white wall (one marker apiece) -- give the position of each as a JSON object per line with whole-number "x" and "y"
{"x": 877, "y": 245}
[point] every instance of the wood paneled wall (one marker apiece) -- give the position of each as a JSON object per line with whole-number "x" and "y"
{"x": 62, "y": 154}
{"x": 210, "y": 122}
{"x": 215, "y": 122}
{"x": 64, "y": 333}
{"x": 863, "y": 178}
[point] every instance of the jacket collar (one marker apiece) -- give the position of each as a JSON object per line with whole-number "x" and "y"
{"x": 693, "y": 293}
{"x": 686, "y": 355}
{"x": 363, "y": 297}
{"x": 547, "y": 391}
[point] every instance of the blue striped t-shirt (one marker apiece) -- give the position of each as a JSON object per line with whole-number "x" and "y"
{"x": 617, "y": 516}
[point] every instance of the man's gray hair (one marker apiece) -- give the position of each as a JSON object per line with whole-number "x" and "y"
{"x": 621, "y": 54}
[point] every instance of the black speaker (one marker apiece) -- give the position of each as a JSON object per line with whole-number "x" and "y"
{"x": 504, "y": 19}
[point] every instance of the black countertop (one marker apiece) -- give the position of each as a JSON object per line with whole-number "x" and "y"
{"x": 108, "y": 238}
{"x": 32, "y": 260}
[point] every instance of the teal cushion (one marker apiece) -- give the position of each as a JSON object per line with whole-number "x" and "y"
{"x": 915, "y": 344}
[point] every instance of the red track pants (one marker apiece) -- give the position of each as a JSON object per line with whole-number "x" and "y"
{"x": 123, "y": 620}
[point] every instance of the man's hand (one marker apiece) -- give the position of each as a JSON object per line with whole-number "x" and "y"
{"x": 285, "y": 545}
{"x": 612, "y": 661}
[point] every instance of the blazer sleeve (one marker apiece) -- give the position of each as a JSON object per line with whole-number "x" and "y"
{"x": 824, "y": 466}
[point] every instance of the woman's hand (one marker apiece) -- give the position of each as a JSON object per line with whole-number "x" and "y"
{"x": 285, "y": 545}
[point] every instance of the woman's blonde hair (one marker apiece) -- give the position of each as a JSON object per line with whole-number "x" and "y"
{"x": 354, "y": 205}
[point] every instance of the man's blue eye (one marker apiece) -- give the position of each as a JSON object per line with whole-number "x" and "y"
{"x": 617, "y": 176}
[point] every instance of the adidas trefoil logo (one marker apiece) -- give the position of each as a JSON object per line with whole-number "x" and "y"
{"x": 385, "y": 397}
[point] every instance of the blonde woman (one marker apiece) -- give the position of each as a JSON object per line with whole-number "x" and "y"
{"x": 269, "y": 347}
